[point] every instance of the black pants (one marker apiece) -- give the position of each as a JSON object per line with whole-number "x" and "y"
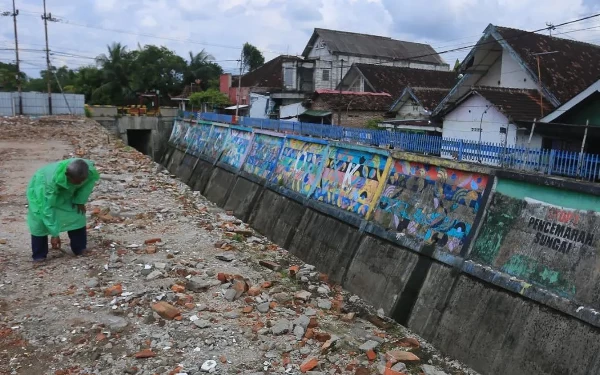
{"x": 78, "y": 237}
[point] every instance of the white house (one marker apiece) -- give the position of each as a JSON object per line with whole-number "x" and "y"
{"x": 502, "y": 89}
{"x": 333, "y": 52}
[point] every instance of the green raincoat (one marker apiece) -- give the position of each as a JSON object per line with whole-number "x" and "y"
{"x": 51, "y": 198}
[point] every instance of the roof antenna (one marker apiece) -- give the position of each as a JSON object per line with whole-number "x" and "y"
{"x": 550, "y": 27}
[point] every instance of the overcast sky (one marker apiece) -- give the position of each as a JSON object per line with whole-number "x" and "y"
{"x": 274, "y": 26}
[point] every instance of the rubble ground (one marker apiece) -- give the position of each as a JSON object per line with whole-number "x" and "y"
{"x": 173, "y": 285}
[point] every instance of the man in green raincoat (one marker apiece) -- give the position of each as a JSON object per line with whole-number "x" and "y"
{"x": 57, "y": 195}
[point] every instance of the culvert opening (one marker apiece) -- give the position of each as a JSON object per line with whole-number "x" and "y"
{"x": 140, "y": 140}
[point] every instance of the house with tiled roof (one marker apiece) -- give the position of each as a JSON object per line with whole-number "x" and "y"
{"x": 333, "y": 52}
{"x": 512, "y": 79}
{"x": 416, "y": 92}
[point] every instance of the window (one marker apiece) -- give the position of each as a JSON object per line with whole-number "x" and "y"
{"x": 326, "y": 74}
{"x": 288, "y": 76}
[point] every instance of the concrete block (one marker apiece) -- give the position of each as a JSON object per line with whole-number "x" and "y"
{"x": 379, "y": 271}
{"x": 325, "y": 242}
{"x": 186, "y": 168}
{"x": 176, "y": 158}
{"x": 242, "y": 198}
{"x": 276, "y": 217}
{"x": 201, "y": 175}
{"x": 219, "y": 185}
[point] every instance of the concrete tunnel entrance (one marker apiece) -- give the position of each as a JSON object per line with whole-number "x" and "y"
{"x": 140, "y": 139}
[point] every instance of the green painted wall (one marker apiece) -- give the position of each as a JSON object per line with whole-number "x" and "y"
{"x": 590, "y": 110}
{"x": 558, "y": 197}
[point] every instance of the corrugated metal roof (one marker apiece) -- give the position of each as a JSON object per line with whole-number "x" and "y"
{"x": 342, "y": 42}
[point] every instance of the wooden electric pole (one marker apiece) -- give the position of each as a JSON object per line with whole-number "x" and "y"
{"x": 48, "y": 17}
{"x": 14, "y": 15}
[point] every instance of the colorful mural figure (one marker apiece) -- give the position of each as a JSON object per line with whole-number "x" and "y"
{"x": 198, "y": 138}
{"x": 185, "y": 140}
{"x": 351, "y": 179}
{"x": 262, "y": 158}
{"x": 216, "y": 139}
{"x": 431, "y": 203}
{"x": 176, "y": 132}
{"x": 299, "y": 166}
{"x": 236, "y": 147}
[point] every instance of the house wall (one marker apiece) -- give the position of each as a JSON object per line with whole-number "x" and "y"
{"x": 258, "y": 105}
{"x": 410, "y": 110}
{"x": 326, "y": 60}
{"x": 351, "y": 119}
{"x": 506, "y": 72}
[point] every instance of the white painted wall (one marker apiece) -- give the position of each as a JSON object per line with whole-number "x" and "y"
{"x": 493, "y": 75}
{"x": 468, "y": 118}
{"x": 410, "y": 110}
{"x": 291, "y": 110}
{"x": 510, "y": 74}
{"x": 258, "y": 105}
{"x": 514, "y": 75}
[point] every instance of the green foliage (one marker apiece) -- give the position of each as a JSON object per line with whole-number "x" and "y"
{"x": 120, "y": 75}
{"x": 211, "y": 96}
{"x": 456, "y": 65}
{"x": 373, "y": 123}
{"x": 88, "y": 111}
{"x": 252, "y": 57}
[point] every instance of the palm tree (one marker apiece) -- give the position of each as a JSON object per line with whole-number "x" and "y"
{"x": 201, "y": 58}
{"x": 202, "y": 67}
{"x": 116, "y": 68}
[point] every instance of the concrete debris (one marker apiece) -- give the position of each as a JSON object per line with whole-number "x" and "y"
{"x": 174, "y": 285}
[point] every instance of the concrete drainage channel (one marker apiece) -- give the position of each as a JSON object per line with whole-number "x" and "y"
{"x": 452, "y": 251}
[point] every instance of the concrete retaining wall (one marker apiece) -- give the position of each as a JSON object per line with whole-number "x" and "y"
{"x": 495, "y": 269}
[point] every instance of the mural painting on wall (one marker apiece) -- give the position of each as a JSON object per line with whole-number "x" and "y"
{"x": 430, "y": 203}
{"x": 551, "y": 246}
{"x": 350, "y": 179}
{"x": 299, "y": 165}
{"x": 263, "y": 155}
{"x": 198, "y": 139}
{"x": 179, "y": 133}
{"x": 236, "y": 147}
{"x": 216, "y": 139}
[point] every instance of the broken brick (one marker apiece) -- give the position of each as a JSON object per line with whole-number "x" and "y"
{"x": 152, "y": 241}
{"x": 266, "y": 285}
{"x": 165, "y": 310}
{"x": 322, "y": 336}
{"x": 151, "y": 249}
{"x": 309, "y": 364}
{"x": 294, "y": 271}
{"x": 146, "y": 353}
{"x": 178, "y": 288}
{"x": 114, "y": 290}
{"x": 314, "y": 323}
{"x": 254, "y": 291}
{"x": 371, "y": 355}
{"x": 409, "y": 342}
{"x": 396, "y": 356}
{"x": 248, "y": 309}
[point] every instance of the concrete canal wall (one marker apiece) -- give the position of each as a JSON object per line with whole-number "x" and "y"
{"x": 499, "y": 270}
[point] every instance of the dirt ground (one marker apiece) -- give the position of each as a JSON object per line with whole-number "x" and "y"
{"x": 173, "y": 283}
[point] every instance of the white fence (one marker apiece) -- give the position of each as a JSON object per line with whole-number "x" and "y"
{"x": 36, "y": 104}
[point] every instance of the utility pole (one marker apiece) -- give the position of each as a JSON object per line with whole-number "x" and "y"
{"x": 48, "y": 17}
{"x": 239, "y": 90}
{"x": 14, "y": 15}
{"x": 19, "y": 88}
{"x": 341, "y": 96}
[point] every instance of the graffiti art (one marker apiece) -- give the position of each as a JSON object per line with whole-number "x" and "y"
{"x": 299, "y": 165}
{"x": 430, "y": 203}
{"x": 350, "y": 179}
{"x": 236, "y": 147}
{"x": 198, "y": 138}
{"x": 262, "y": 158}
{"x": 216, "y": 139}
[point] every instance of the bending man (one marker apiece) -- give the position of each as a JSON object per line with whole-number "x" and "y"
{"x": 57, "y": 195}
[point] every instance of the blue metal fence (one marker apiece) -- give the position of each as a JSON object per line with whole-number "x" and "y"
{"x": 547, "y": 161}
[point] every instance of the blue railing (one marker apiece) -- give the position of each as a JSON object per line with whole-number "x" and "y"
{"x": 547, "y": 161}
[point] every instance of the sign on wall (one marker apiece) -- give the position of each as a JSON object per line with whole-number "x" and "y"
{"x": 537, "y": 237}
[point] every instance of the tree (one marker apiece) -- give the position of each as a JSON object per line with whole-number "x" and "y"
{"x": 210, "y": 96}
{"x": 158, "y": 68}
{"x": 8, "y": 77}
{"x": 116, "y": 68}
{"x": 252, "y": 58}
{"x": 456, "y": 65}
{"x": 201, "y": 67}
